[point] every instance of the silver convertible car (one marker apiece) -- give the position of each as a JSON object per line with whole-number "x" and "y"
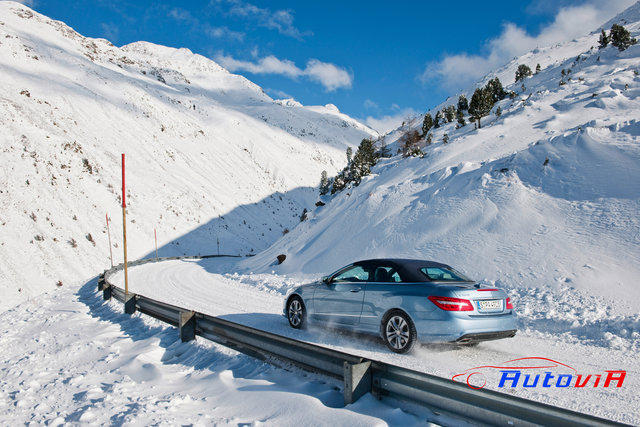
{"x": 404, "y": 301}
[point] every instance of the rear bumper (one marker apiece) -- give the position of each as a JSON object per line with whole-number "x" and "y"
{"x": 452, "y": 327}
{"x": 485, "y": 336}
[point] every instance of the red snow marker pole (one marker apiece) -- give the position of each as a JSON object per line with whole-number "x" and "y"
{"x": 124, "y": 231}
{"x": 109, "y": 234}
{"x": 155, "y": 237}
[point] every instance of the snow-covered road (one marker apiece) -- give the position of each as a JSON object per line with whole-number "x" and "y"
{"x": 70, "y": 358}
{"x": 592, "y": 340}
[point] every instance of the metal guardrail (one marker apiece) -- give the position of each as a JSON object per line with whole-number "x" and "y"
{"x": 359, "y": 375}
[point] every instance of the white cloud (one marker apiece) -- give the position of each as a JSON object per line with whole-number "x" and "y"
{"x": 457, "y": 71}
{"x": 386, "y": 123}
{"x": 329, "y": 75}
{"x": 110, "y": 31}
{"x": 181, "y": 15}
{"x": 370, "y": 105}
{"x": 267, "y": 65}
{"x": 185, "y": 17}
{"x": 279, "y": 20}
{"x": 277, "y": 93}
{"x": 224, "y": 32}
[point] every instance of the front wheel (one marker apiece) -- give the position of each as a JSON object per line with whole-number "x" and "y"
{"x": 296, "y": 313}
{"x": 398, "y": 331}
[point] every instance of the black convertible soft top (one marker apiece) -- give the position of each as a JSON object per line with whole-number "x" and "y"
{"x": 409, "y": 269}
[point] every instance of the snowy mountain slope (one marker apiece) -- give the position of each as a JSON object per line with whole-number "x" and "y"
{"x": 546, "y": 196}
{"x": 200, "y": 143}
{"x": 630, "y": 16}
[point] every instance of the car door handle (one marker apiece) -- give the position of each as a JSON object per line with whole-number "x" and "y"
{"x": 354, "y": 290}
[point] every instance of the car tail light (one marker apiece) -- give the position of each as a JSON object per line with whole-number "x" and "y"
{"x": 509, "y": 305}
{"x": 451, "y": 304}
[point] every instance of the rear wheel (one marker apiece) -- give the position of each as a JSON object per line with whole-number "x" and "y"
{"x": 296, "y": 312}
{"x": 398, "y": 332}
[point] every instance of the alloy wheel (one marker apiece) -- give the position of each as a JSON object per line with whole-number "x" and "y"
{"x": 295, "y": 313}
{"x": 397, "y": 332}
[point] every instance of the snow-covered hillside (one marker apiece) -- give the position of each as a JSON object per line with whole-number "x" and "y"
{"x": 543, "y": 201}
{"x": 544, "y": 198}
{"x": 200, "y": 143}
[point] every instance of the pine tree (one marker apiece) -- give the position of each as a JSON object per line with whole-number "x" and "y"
{"x": 359, "y": 166}
{"x": 324, "y": 183}
{"x": 463, "y": 104}
{"x": 498, "y": 111}
{"x": 429, "y": 139}
{"x": 480, "y": 105}
{"x": 450, "y": 113}
{"x": 494, "y": 86}
{"x": 427, "y": 124}
{"x": 384, "y": 151}
{"x": 445, "y": 138}
{"x": 363, "y": 160}
{"x": 436, "y": 121}
{"x": 538, "y": 68}
{"x": 410, "y": 143}
{"x": 522, "y": 72}
{"x": 339, "y": 183}
{"x": 349, "y": 155}
{"x": 603, "y": 41}
{"x": 621, "y": 38}
{"x": 460, "y": 118}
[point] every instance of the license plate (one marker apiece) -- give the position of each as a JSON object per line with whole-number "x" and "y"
{"x": 490, "y": 305}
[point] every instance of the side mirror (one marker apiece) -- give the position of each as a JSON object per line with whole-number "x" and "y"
{"x": 325, "y": 280}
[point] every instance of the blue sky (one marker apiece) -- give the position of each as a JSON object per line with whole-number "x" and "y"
{"x": 377, "y": 61}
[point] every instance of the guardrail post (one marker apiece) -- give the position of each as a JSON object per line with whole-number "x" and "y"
{"x": 357, "y": 381}
{"x": 106, "y": 292}
{"x": 130, "y": 303}
{"x": 187, "y": 326}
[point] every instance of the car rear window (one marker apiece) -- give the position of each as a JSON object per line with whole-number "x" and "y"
{"x": 444, "y": 274}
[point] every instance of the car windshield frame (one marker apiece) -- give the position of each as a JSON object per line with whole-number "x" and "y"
{"x": 451, "y": 270}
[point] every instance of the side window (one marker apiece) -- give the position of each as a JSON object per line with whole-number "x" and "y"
{"x": 385, "y": 274}
{"x": 353, "y": 274}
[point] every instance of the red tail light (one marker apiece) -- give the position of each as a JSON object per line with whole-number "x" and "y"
{"x": 451, "y": 304}
{"x": 509, "y": 305}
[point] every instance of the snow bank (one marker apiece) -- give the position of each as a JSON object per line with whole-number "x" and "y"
{"x": 90, "y": 364}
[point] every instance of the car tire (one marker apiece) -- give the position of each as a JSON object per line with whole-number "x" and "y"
{"x": 398, "y": 331}
{"x": 296, "y": 312}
